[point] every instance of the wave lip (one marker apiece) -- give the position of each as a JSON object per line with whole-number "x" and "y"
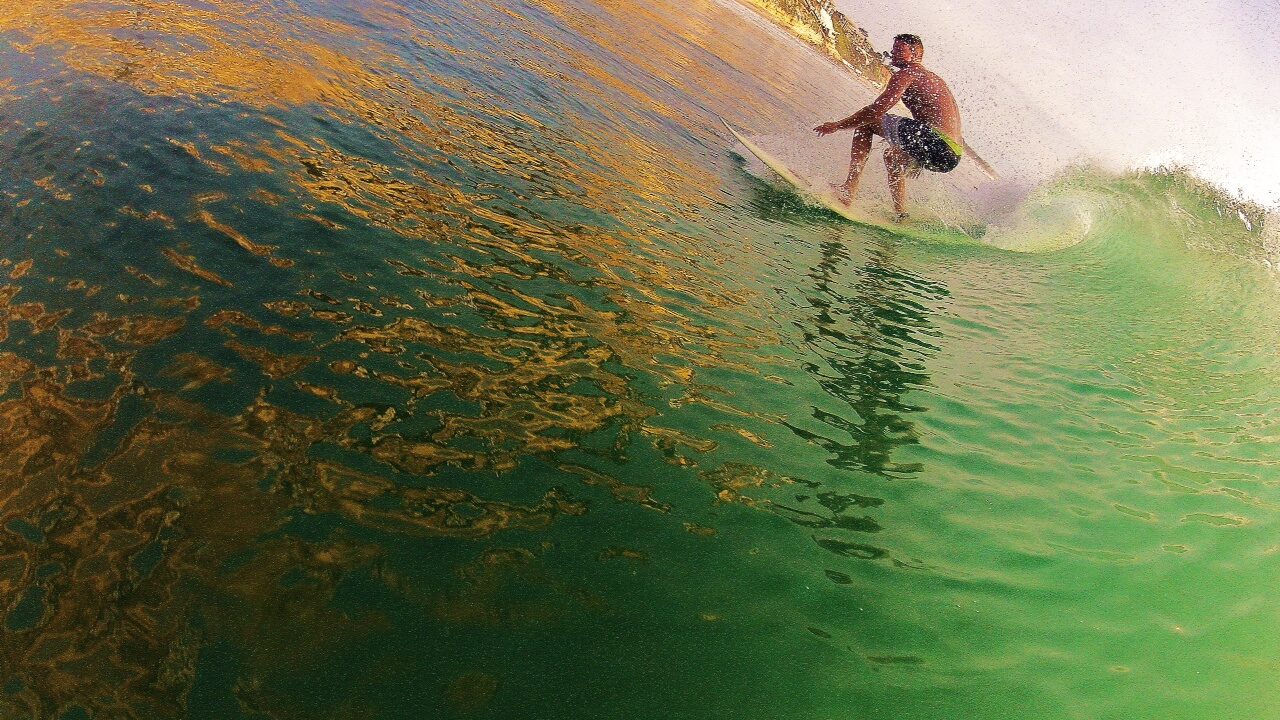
{"x": 1080, "y": 204}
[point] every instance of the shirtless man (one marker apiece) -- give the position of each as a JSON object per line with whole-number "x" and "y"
{"x": 931, "y": 141}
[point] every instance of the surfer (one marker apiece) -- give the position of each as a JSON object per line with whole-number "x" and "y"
{"x": 930, "y": 139}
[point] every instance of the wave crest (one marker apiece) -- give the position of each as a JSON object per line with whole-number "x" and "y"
{"x": 1085, "y": 204}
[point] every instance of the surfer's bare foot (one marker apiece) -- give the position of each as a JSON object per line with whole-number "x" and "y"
{"x": 844, "y": 192}
{"x": 901, "y": 216}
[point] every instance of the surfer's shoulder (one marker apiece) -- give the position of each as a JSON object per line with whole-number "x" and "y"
{"x": 900, "y": 75}
{"x": 910, "y": 72}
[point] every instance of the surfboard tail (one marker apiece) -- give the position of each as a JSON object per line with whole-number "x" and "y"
{"x": 982, "y": 164}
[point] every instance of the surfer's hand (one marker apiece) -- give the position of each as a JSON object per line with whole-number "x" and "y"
{"x": 826, "y": 128}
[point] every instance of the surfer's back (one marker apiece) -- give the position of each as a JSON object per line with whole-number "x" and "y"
{"x": 930, "y": 100}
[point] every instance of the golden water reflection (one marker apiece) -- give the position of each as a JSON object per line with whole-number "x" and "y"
{"x": 367, "y": 279}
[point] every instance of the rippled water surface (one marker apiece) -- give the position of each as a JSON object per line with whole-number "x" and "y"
{"x": 442, "y": 359}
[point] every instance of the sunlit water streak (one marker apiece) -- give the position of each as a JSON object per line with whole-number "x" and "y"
{"x": 415, "y": 361}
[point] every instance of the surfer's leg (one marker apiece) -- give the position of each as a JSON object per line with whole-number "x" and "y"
{"x": 898, "y": 166}
{"x": 857, "y": 159}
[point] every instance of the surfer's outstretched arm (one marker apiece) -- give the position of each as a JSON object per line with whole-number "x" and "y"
{"x": 872, "y": 113}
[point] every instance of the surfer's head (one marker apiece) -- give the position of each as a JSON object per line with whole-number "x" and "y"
{"x": 907, "y": 49}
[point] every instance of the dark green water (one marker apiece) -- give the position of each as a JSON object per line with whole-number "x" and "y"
{"x": 443, "y": 360}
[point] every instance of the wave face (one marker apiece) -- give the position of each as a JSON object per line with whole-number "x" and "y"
{"x": 402, "y": 360}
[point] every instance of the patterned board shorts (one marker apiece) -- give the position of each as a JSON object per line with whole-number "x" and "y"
{"x": 929, "y": 148}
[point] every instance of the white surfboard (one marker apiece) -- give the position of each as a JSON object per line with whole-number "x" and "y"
{"x": 827, "y": 198}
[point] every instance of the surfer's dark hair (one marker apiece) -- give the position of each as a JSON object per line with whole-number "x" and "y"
{"x": 912, "y": 40}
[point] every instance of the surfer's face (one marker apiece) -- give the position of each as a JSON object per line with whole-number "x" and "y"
{"x": 902, "y": 54}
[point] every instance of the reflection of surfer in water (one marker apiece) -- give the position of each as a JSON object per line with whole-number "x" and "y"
{"x": 872, "y": 331}
{"x": 930, "y": 141}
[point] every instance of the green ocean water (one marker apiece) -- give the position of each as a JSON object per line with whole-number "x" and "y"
{"x": 405, "y": 360}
